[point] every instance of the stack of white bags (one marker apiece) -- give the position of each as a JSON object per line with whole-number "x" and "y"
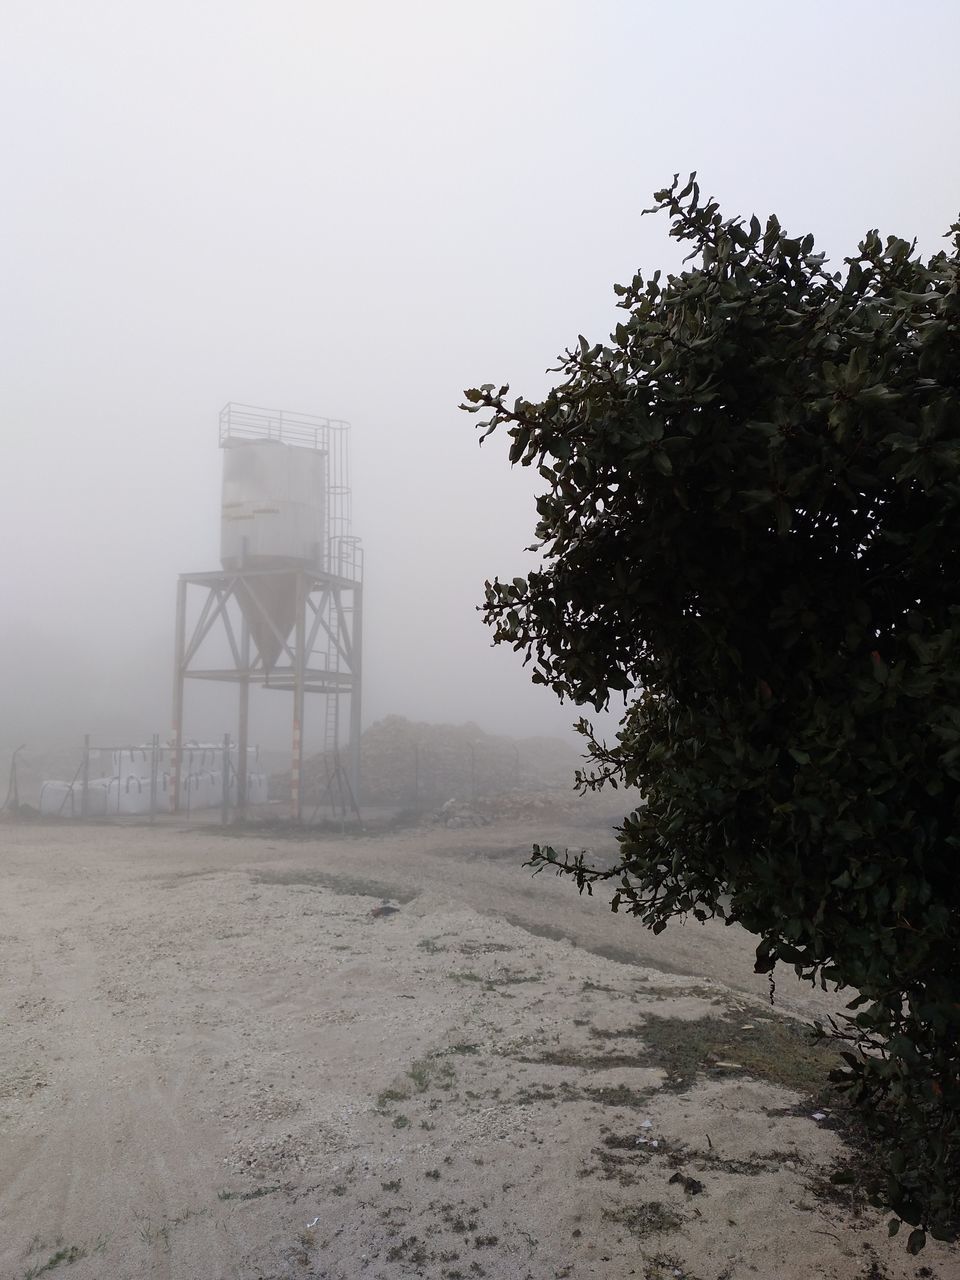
{"x": 126, "y": 789}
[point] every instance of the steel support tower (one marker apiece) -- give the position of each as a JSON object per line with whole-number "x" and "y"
{"x": 286, "y": 622}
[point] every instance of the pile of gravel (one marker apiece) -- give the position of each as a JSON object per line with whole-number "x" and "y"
{"x": 421, "y": 766}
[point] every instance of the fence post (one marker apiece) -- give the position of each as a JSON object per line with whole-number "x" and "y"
{"x": 85, "y": 785}
{"x": 154, "y": 768}
{"x": 225, "y": 800}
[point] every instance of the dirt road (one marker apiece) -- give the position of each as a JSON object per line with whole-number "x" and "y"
{"x": 221, "y": 1058}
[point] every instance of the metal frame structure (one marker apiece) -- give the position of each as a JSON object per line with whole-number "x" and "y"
{"x": 321, "y": 652}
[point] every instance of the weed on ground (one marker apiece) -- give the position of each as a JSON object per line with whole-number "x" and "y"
{"x": 247, "y": 1195}
{"x": 645, "y": 1219}
{"x": 313, "y": 879}
{"x": 64, "y": 1256}
{"x": 766, "y": 1047}
{"x": 425, "y": 1074}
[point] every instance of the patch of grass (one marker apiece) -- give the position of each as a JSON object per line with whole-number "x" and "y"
{"x": 393, "y": 1094}
{"x": 765, "y": 1046}
{"x": 616, "y": 1167}
{"x": 710, "y": 994}
{"x": 508, "y": 977}
{"x": 768, "y": 1048}
{"x": 151, "y": 1234}
{"x": 433, "y": 1173}
{"x": 400, "y": 1122}
{"x": 464, "y": 1047}
{"x": 434, "y": 946}
{"x": 393, "y": 1185}
{"x": 411, "y": 1250}
{"x": 563, "y": 1092}
{"x": 462, "y": 1226}
{"x": 64, "y": 1256}
{"x": 645, "y": 1219}
{"x": 312, "y": 879}
{"x": 255, "y": 1194}
{"x": 625, "y": 1033}
{"x": 620, "y": 1158}
{"x": 621, "y": 1095}
{"x": 485, "y": 1242}
{"x": 500, "y": 978}
{"x": 665, "y": 1266}
{"x": 588, "y": 1061}
{"x": 433, "y": 1071}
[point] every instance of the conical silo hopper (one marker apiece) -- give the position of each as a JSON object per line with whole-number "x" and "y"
{"x": 274, "y": 524}
{"x": 269, "y": 604}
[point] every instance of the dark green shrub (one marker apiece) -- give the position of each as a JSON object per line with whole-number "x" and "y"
{"x": 751, "y": 529}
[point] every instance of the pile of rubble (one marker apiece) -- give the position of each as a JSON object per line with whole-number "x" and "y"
{"x": 453, "y": 814}
{"x": 421, "y": 766}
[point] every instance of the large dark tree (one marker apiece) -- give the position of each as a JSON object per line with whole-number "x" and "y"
{"x": 751, "y": 529}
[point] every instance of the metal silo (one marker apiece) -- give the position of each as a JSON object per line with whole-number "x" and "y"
{"x": 293, "y": 570}
{"x": 273, "y": 511}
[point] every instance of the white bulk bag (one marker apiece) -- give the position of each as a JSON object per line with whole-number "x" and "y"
{"x": 59, "y": 800}
{"x": 257, "y": 788}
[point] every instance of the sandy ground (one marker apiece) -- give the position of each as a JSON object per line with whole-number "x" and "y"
{"x": 218, "y": 1059}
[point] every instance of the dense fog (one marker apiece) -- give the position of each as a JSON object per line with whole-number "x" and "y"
{"x": 357, "y": 211}
{"x": 287, "y": 1006}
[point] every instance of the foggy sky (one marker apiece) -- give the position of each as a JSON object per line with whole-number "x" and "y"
{"x": 357, "y": 210}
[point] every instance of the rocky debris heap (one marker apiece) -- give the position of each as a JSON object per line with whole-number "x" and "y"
{"x": 421, "y": 766}
{"x": 454, "y": 814}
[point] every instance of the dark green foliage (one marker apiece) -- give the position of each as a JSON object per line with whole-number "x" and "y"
{"x": 751, "y": 529}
